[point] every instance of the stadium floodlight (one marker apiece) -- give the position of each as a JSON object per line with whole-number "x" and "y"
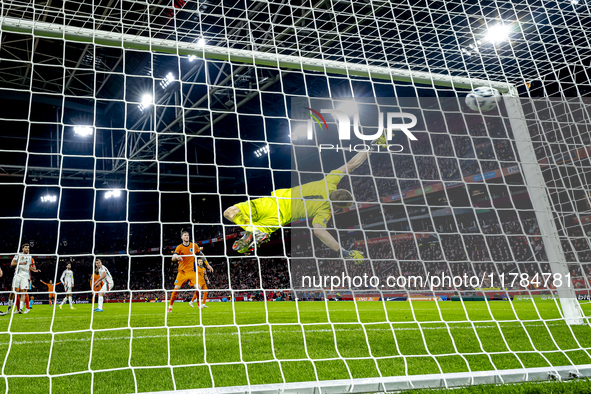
{"x": 201, "y": 42}
{"x": 262, "y": 151}
{"x": 146, "y": 102}
{"x": 83, "y": 131}
{"x": 49, "y": 198}
{"x": 166, "y": 81}
{"x": 299, "y": 131}
{"x": 498, "y": 33}
{"x": 349, "y": 106}
{"x": 113, "y": 193}
{"x": 192, "y": 58}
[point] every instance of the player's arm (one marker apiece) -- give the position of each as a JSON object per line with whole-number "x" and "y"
{"x": 101, "y": 277}
{"x": 13, "y": 262}
{"x": 34, "y": 269}
{"x": 46, "y": 284}
{"x": 209, "y": 267}
{"x": 176, "y": 256}
{"x": 355, "y": 162}
{"x": 206, "y": 278}
{"x": 322, "y": 233}
{"x": 58, "y": 283}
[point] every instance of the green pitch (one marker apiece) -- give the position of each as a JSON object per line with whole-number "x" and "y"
{"x": 244, "y": 342}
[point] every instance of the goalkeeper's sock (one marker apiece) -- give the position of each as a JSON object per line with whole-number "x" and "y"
{"x": 173, "y": 297}
{"x": 100, "y": 303}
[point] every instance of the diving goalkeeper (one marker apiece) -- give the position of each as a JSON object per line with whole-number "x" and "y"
{"x": 310, "y": 200}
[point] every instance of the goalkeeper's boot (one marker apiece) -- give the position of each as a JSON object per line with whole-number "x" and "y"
{"x": 260, "y": 238}
{"x": 243, "y": 244}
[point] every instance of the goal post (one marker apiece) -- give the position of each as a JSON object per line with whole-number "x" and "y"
{"x": 541, "y": 204}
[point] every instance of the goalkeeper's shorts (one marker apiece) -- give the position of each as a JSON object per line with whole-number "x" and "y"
{"x": 265, "y": 216}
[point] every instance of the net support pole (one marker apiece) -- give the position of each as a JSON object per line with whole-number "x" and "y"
{"x": 539, "y": 199}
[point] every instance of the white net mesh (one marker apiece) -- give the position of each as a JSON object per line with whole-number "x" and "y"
{"x": 125, "y": 122}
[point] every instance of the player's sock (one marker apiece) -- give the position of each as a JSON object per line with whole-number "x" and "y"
{"x": 173, "y": 297}
{"x": 204, "y": 297}
{"x": 100, "y": 303}
{"x": 70, "y": 301}
{"x": 63, "y": 301}
{"x": 22, "y": 303}
{"x": 195, "y": 296}
{"x": 27, "y": 303}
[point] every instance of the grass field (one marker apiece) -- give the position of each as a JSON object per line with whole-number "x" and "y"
{"x": 250, "y": 338}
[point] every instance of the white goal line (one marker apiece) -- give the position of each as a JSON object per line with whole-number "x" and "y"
{"x": 394, "y": 383}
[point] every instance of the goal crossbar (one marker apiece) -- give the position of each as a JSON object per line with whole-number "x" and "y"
{"x": 116, "y": 39}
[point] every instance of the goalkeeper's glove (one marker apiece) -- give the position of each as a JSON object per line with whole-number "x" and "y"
{"x": 381, "y": 141}
{"x": 353, "y": 255}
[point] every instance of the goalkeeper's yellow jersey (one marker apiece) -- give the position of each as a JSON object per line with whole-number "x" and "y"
{"x": 309, "y": 200}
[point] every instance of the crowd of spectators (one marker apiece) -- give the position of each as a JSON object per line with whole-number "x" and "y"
{"x": 483, "y": 244}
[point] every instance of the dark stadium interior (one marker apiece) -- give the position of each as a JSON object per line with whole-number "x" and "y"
{"x": 180, "y": 167}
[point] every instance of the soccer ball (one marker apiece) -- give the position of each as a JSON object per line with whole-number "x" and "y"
{"x": 483, "y": 99}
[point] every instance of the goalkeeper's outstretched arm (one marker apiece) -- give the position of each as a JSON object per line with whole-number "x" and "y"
{"x": 360, "y": 157}
{"x": 355, "y": 162}
{"x": 332, "y": 243}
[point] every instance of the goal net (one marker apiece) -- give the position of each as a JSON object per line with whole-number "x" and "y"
{"x": 456, "y": 252}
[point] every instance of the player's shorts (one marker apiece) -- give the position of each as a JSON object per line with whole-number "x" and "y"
{"x": 106, "y": 287}
{"x": 184, "y": 277}
{"x": 265, "y": 216}
{"x": 51, "y": 295}
{"x": 68, "y": 288}
{"x": 202, "y": 286}
{"x": 20, "y": 282}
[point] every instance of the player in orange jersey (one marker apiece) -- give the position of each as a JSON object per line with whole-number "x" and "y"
{"x": 50, "y": 287}
{"x": 201, "y": 279}
{"x": 185, "y": 255}
{"x": 93, "y": 279}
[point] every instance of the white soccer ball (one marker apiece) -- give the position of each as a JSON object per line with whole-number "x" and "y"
{"x": 483, "y": 99}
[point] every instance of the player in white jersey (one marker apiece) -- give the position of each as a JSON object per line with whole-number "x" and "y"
{"x": 106, "y": 281}
{"x": 67, "y": 279}
{"x": 21, "y": 282}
